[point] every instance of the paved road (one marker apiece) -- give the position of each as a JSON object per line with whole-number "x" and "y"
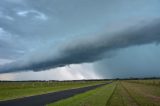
{"x": 42, "y": 100}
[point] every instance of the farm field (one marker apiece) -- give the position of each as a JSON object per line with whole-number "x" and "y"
{"x": 12, "y": 90}
{"x": 119, "y": 93}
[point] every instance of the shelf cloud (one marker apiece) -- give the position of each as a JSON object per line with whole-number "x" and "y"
{"x": 47, "y": 35}
{"x": 89, "y": 51}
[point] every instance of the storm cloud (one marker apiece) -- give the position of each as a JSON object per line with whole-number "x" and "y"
{"x": 90, "y": 51}
{"x": 49, "y": 35}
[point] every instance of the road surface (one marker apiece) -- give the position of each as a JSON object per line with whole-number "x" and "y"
{"x": 43, "y": 99}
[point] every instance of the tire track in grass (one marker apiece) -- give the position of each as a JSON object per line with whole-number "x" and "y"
{"x": 122, "y": 100}
{"x": 133, "y": 99}
{"x": 117, "y": 98}
{"x": 109, "y": 99}
{"x": 143, "y": 93}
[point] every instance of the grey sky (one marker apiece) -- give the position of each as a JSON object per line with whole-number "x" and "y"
{"x": 43, "y": 34}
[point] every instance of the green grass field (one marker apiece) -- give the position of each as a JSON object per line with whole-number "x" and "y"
{"x": 119, "y": 93}
{"x": 95, "y": 97}
{"x": 11, "y": 90}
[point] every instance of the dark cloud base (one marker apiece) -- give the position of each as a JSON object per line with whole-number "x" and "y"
{"x": 95, "y": 50}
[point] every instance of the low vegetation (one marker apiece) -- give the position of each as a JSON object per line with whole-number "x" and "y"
{"x": 147, "y": 82}
{"x": 119, "y": 93}
{"x": 143, "y": 94}
{"x": 96, "y": 97}
{"x": 11, "y": 90}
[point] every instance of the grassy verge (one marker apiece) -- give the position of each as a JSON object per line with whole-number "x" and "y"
{"x": 145, "y": 95}
{"x": 135, "y": 94}
{"x": 152, "y": 82}
{"x": 96, "y": 97}
{"x": 121, "y": 93}
{"x": 121, "y": 97}
{"x": 11, "y": 90}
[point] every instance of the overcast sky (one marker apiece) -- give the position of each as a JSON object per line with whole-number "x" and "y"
{"x": 79, "y": 39}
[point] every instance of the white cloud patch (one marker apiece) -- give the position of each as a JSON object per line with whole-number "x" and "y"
{"x": 33, "y": 13}
{"x": 5, "y": 61}
{"x": 4, "y": 35}
{"x": 7, "y": 17}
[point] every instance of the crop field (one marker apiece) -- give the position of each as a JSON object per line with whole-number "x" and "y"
{"x": 118, "y": 93}
{"x": 12, "y": 90}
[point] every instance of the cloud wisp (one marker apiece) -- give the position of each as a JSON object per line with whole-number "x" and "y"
{"x": 89, "y": 50}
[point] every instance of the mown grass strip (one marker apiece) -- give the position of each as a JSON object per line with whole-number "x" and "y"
{"x": 146, "y": 95}
{"x": 109, "y": 99}
{"x": 122, "y": 98}
{"x": 96, "y": 97}
{"x": 137, "y": 103}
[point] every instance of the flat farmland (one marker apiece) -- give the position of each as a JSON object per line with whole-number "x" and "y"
{"x": 119, "y": 93}
{"x": 12, "y": 90}
{"x": 109, "y": 93}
